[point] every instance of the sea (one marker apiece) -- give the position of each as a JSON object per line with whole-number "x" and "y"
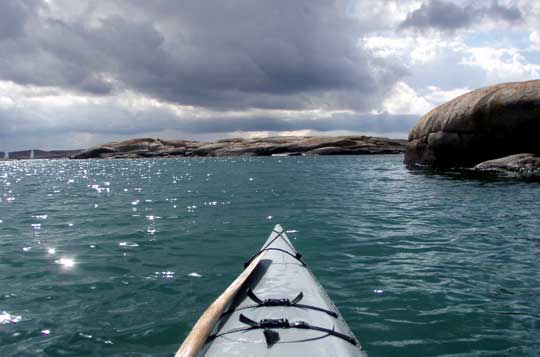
{"x": 120, "y": 257}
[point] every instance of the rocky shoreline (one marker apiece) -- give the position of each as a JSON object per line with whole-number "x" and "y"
{"x": 489, "y": 129}
{"x": 271, "y": 146}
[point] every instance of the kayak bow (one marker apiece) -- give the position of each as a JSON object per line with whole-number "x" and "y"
{"x": 276, "y": 307}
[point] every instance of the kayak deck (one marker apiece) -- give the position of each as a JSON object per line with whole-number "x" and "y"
{"x": 311, "y": 324}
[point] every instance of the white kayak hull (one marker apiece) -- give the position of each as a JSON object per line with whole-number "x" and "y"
{"x": 280, "y": 275}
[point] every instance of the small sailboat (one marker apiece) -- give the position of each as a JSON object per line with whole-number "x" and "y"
{"x": 31, "y": 154}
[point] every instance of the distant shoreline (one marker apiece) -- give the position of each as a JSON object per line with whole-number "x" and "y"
{"x": 270, "y": 146}
{"x": 38, "y": 154}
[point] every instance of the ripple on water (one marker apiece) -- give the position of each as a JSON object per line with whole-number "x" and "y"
{"x": 419, "y": 264}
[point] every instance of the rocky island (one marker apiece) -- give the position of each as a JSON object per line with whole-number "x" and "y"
{"x": 270, "y": 146}
{"x": 494, "y": 128}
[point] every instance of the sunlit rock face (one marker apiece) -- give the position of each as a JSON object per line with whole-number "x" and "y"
{"x": 484, "y": 124}
{"x": 277, "y": 146}
{"x": 140, "y": 147}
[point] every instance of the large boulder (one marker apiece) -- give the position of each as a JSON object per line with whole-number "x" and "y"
{"x": 484, "y": 124}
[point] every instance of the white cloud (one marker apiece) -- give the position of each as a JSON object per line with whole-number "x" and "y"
{"x": 417, "y": 49}
{"x": 6, "y": 102}
{"x": 534, "y": 38}
{"x": 437, "y": 96}
{"x": 306, "y": 132}
{"x": 402, "y": 99}
{"x": 443, "y": 67}
{"x": 266, "y": 133}
{"x": 501, "y": 64}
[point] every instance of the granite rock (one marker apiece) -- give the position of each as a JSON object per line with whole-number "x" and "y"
{"x": 484, "y": 124}
{"x": 520, "y": 163}
{"x": 277, "y": 146}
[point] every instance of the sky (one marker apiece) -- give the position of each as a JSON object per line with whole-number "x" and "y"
{"x": 74, "y": 74}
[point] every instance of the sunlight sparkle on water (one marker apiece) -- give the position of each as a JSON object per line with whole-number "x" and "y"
{"x": 7, "y": 318}
{"x": 162, "y": 275}
{"x": 128, "y": 244}
{"x": 66, "y": 262}
{"x": 51, "y": 251}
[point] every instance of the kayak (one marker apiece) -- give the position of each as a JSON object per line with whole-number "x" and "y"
{"x": 278, "y": 308}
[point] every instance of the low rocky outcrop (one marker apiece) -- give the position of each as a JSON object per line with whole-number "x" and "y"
{"x": 519, "y": 163}
{"x": 485, "y": 124}
{"x": 272, "y": 146}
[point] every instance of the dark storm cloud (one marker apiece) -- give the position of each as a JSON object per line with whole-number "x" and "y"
{"x": 501, "y": 12}
{"x": 347, "y": 122}
{"x": 14, "y": 14}
{"x": 447, "y": 16}
{"x": 224, "y": 54}
{"x": 85, "y": 133}
{"x": 106, "y": 120}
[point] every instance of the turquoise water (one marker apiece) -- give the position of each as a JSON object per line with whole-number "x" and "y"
{"x": 121, "y": 257}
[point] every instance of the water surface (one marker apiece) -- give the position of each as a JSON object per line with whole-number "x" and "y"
{"x": 121, "y": 257}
